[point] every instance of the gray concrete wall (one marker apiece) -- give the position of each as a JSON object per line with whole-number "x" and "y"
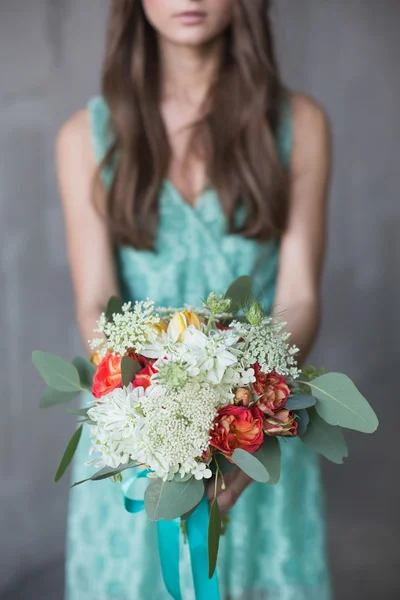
{"x": 345, "y": 52}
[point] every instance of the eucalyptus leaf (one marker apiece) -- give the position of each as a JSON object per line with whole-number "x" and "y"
{"x": 114, "y": 306}
{"x": 57, "y": 372}
{"x": 79, "y": 412}
{"x": 68, "y": 454}
{"x": 240, "y": 292}
{"x": 86, "y": 371}
{"x": 299, "y": 402}
{"x": 270, "y": 456}
{"x": 251, "y": 465}
{"x": 224, "y": 465}
{"x": 169, "y": 499}
{"x": 214, "y": 533}
{"x": 340, "y": 403}
{"x": 106, "y": 473}
{"x": 51, "y": 397}
{"x": 183, "y": 479}
{"x": 129, "y": 368}
{"x": 302, "y": 421}
{"x": 325, "y": 439}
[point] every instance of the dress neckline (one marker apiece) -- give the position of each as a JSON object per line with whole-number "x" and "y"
{"x": 169, "y": 185}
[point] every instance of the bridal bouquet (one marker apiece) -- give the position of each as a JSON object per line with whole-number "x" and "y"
{"x": 184, "y": 394}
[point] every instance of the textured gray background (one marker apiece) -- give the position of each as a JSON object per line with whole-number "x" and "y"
{"x": 346, "y": 53}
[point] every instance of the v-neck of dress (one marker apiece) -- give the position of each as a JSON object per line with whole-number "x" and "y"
{"x": 169, "y": 185}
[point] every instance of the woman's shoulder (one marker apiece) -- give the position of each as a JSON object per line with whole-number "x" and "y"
{"x": 74, "y": 135}
{"x": 307, "y": 113}
{"x": 311, "y": 127}
{"x": 86, "y": 131}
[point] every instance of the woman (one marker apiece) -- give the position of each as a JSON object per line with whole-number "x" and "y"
{"x": 205, "y": 170}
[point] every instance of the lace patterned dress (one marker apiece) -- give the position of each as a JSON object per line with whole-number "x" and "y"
{"x": 274, "y": 548}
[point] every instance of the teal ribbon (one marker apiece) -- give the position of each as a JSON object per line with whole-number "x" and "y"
{"x": 168, "y": 533}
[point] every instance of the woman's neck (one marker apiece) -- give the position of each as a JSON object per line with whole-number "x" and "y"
{"x": 189, "y": 72}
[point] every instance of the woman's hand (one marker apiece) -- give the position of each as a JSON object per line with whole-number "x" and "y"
{"x": 235, "y": 483}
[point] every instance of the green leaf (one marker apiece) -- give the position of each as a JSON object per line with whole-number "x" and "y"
{"x": 298, "y": 402}
{"x": 214, "y": 533}
{"x": 240, "y": 292}
{"x": 169, "y": 500}
{"x": 106, "y": 473}
{"x": 303, "y": 421}
{"x": 270, "y": 456}
{"x": 68, "y": 454}
{"x": 340, "y": 403}
{"x": 114, "y": 306}
{"x": 86, "y": 371}
{"x": 57, "y": 372}
{"x": 250, "y": 465}
{"x": 179, "y": 479}
{"x": 225, "y": 466}
{"x": 129, "y": 368}
{"x": 51, "y": 397}
{"x": 325, "y": 439}
{"x": 79, "y": 412}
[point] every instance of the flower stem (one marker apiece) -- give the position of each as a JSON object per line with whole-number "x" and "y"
{"x": 210, "y": 322}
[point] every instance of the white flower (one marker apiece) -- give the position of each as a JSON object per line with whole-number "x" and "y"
{"x": 210, "y": 353}
{"x": 119, "y": 425}
{"x": 131, "y": 329}
{"x": 246, "y": 377}
{"x": 201, "y": 471}
{"x": 268, "y": 345}
{"x": 178, "y": 427}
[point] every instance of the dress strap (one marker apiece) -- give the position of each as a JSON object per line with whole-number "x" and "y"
{"x": 285, "y": 131}
{"x": 102, "y": 138}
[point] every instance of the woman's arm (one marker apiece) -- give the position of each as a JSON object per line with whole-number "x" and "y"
{"x": 302, "y": 246}
{"x": 89, "y": 249}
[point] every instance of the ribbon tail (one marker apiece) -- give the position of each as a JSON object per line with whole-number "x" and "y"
{"x": 197, "y": 531}
{"x": 168, "y": 545}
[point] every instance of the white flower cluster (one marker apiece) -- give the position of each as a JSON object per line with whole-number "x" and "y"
{"x": 197, "y": 370}
{"x": 268, "y": 345}
{"x": 133, "y": 328}
{"x": 166, "y": 431}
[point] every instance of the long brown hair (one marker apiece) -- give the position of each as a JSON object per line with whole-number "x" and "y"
{"x": 238, "y": 132}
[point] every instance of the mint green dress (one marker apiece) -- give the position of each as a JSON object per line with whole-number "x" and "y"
{"x": 274, "y": 548}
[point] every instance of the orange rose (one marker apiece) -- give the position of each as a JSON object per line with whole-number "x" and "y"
{"x": 237, "y": 427}
{"x": 283, "y": 423}
{"x": 142, "y": 379}
{"x": 272, "y": 389}
{"x": 107, "y": 376}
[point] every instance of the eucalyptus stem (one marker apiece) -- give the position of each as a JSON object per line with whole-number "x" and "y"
{"x": 216, "y": 483}
{"x": 221, "y": 473}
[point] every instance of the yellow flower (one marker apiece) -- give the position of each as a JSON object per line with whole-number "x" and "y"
{"x": 181, "y": 321}
{"x": 160, "y": 326}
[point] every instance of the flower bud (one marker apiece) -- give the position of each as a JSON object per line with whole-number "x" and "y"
{"x": 243, "y": 397}
{"x": 218, "y": 304}
{"x": 181, "y": 321}
{"x": 255, "y": 314}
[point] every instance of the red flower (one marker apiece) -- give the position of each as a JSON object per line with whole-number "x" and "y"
{"x": 221, "y": 327}
{"x": 283, "y": 423}
{"x": 272, "y": 389}
{"x": 142, "y": 379}
{"x": 107, "y": 376}
{"x": 237, "y": 427}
